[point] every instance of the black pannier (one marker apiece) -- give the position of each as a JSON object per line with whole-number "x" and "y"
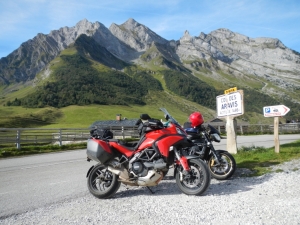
{"x": 101, "y": 133}
{"x": 99, "y": 151}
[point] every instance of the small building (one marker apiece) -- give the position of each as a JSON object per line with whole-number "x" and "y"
{"x": 121, "y": 128}
{"x": 220, "y": 125}
{"x": 118, "y": 122}
{"x": 114, "y": 123}
{"x": 216, "y": 122}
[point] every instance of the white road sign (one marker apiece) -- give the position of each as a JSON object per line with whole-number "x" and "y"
{"x": 275, "y": 110}
{"x": 230, "y": 104}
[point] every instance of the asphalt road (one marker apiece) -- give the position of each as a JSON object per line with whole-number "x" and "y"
{"x": 266, "y": 141}
{"x": 31, "y": 182}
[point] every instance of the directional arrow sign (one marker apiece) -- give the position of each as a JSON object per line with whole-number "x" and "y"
{"x": 275, "y": 110}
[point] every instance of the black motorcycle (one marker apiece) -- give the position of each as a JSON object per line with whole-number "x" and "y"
{"x": 221, "y": 163}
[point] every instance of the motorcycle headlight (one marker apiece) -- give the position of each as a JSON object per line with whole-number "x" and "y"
{"x": 216, "y": 137}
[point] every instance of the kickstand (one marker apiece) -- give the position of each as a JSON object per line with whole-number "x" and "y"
{"x": 152, "y": 192}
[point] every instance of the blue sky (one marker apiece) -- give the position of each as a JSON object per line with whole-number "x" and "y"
{"x": 21, "y": 20}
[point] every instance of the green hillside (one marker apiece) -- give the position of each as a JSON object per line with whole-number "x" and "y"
{"x": 78, "y": 83}
{"x": 75, "y": 116}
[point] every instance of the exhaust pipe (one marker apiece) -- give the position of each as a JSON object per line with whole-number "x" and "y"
{"x": 122, "y": 173}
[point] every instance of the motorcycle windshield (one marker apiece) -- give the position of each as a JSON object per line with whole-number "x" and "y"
{"x": 213, "y": 130}
{"x": 171, "y": 118}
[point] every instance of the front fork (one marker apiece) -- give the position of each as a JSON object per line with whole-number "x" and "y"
{"x": 184, "y": 162}
{"x": 210, "y": 146}
{"x": 216, "y": 156}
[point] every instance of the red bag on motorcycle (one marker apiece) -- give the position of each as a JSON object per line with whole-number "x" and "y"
{"x": 99, "y": 151}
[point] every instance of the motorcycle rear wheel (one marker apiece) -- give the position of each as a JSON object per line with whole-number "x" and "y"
{"x": 102, "y": 183}
{"x": 225, "y": 169}
{"x": 197, "y": 181}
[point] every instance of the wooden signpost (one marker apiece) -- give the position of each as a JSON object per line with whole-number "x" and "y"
{"x": 230, "y": 105}
{"x": 276, "y": 111}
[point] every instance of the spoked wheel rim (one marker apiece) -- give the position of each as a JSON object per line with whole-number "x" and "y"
{"x": 194, "y": 179}
{"x": 102, "y": 183}
{"x": 223, "y": 167}
{"x": 101, "y": 180}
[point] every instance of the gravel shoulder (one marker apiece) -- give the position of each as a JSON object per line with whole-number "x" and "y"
{"x": 273, "y": 198}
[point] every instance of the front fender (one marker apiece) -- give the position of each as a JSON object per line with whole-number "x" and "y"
{"x": 89, "y": 171}
{"x": 220, "y": 151}
{"x": 188, "y": 157}
{"x": 208, "y": 156}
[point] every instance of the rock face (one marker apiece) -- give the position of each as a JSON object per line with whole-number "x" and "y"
{"x": 233, "y": 53}
{"x": 32, "y": 56}
{"x": 264, "y": 57}
{"x": 137, "y": 36}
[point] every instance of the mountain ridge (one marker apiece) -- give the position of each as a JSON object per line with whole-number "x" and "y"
{"x": 221, "y": 58}
{"x": 129, "y": 39}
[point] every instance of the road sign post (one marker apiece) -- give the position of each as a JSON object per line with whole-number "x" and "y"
{"x": 231, "y": 105}
{"x": 276, "y": 134}
{"x": 276, "y": 111}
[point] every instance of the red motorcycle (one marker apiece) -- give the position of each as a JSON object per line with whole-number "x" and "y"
{"x": 145, "y": 162}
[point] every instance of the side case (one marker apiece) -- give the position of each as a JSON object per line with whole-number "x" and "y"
{"x": 99, "y": 151}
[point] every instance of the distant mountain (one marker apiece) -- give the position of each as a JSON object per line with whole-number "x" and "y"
{"x": 195, "y": 68}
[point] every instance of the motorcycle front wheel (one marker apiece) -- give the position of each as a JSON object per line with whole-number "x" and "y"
{"x": 225, "y": 169}
{"x": 102, "y": 183}
{"x": 196, "y": 181}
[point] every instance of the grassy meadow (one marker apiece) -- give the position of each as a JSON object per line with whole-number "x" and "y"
{"x": 259, "y": 159}
{"x": 75, "y": 116}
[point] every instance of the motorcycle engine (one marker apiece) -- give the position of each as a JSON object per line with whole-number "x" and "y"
{"x": 147, "y": 167}
{"x": 148, "y": 173}
{"x": 139, "y": 169}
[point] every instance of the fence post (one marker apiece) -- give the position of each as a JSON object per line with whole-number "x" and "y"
{"x": 280, "y": 128}
{"x": 241, "y": 127}
{"x": 60, "y": 138}
{"x": 123, "y": 132}
{"x": 18, "y": 139}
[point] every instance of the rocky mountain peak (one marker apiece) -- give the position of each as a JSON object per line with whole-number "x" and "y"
{"x": 223, "y": 33}
{"x": 136, "y": 35}
{"x": 226, "y": 34}
{"x": 82, "y": 22}
{"x": 202, "y": 35}
{"x": 131, "y": 24}
{"x": 271, "y": 42}
{"x": 186, "y": 37}
{"x": 84, "y": 26}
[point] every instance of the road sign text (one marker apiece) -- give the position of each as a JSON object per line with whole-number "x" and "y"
{"x": 231, "y": 104}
